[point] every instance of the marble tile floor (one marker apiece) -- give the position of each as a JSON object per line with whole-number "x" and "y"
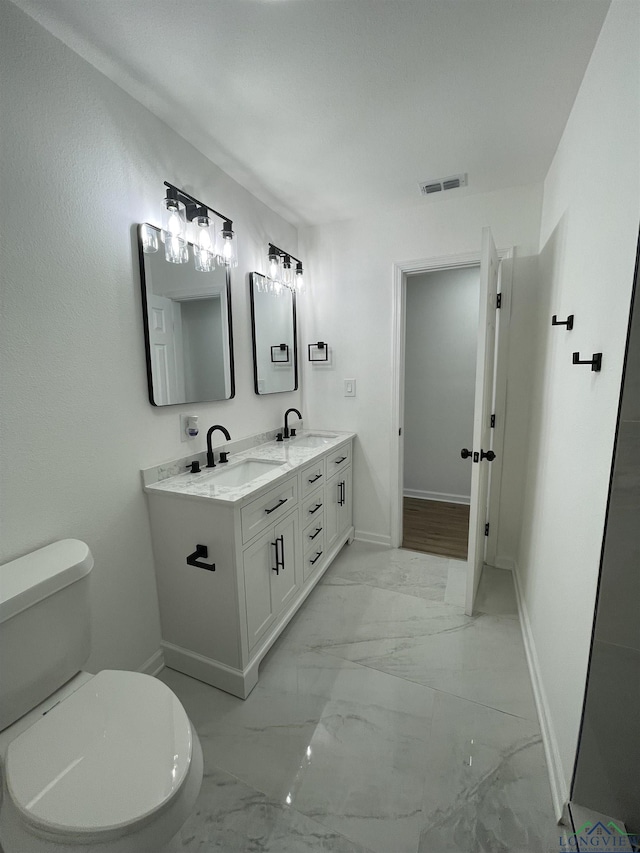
{"x": 384, "y": 721}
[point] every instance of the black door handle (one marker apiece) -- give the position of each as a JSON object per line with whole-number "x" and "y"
{"x": 489, "y": 455}
{"x": 466, "y": 454}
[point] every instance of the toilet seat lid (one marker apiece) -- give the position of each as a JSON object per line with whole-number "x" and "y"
{"x": 110, "y": 755}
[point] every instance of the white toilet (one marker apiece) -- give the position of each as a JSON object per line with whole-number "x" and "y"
{"x": 106, "y": 762}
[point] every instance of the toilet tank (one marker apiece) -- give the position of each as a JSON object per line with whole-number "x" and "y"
{"x": 45, "y": 635}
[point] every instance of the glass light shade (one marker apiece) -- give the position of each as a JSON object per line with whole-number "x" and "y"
{"x": 299, "y": 278}
{"x": 204, "y": 244}
{"x": 287, "y": 272}
{"x": 274, "y": 266}
{"x": 149, "y": 238}
{"x": 227, "y": 247}
{"x": 174, "y": 232}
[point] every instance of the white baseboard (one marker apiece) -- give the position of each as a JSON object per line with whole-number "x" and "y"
{"x": 437, "y": 496}
{"x": 373, "y": 538}
{"x": 154, "y": 665}
{"x": 559, "y": 786}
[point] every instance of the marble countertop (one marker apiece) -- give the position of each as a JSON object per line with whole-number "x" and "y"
{"x": 290, "y": 455}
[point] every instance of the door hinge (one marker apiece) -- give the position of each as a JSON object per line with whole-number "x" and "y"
{"x": 499, "y": 300}
{"x": 493, "y": 421}
{"x": 486, "y": 529}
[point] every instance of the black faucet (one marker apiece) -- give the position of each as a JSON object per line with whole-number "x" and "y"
{"x": 210, "y": 459}
{"x": 286, "y": 424}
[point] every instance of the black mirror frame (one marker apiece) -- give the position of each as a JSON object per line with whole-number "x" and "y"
{"x": 147, "y": 342}
{"x": 252, "y": 284}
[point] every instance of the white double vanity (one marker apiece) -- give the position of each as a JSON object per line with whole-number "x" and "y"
{"x": 259, "y": 532}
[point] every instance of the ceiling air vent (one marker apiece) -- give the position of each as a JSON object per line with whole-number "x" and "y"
{"x": 450, "y": 183}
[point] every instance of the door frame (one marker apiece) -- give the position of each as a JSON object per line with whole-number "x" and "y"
{"x": 400, "y": 272}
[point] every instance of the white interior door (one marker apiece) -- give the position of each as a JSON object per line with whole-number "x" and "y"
{"x": 482, "y": 435}
{"x": 163, "y": 350}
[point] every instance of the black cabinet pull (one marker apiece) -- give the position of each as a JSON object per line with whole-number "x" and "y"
{"x": 315, "y": 509}
{"x": 316, "y": 558}
{"x": 279, "y": 554}
{"x": 338, "y": 461}
{"x": 317, "y": 477}
{"x": 313, "y": 535}
{"x": 193, "y": 559}
{"x": 274, "y": 508}
{"x": 341, "y": 493}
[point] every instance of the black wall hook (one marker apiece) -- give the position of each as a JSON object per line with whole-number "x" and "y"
{"x": 193, "y": 559}
{"x": 568, "y": 322}
{"x": 595, "y": 362}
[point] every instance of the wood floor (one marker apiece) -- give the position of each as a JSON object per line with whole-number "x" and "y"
{"x": 435, "y": 527}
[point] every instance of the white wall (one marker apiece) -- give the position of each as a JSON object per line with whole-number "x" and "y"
{"x": 351, "y": 284}
{"x": 82, "y": 162}
{"x": 441, "y": 339}
{"x": 588, "y": 239}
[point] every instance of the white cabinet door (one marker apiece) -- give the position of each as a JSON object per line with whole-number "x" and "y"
{"x": 270, "y": 575}
{"x": 259, "y": 565}
{"x": 337, "y": 506}
{"x": 283, "y": 581}
{"x": 344, "y": 501}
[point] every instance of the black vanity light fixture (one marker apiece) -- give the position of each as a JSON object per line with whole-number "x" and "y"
{"x": 179, "y": 209}
{"x": 280, "y": 271}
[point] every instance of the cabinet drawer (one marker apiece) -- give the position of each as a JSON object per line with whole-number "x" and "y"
{"x": 314, "y": 556}
{"x": 313, "y": 531}
{"x": 259, "y": 514}
{"x": 312, "y": 477}
{"x": 312, "y": 507}
{"x": 337, "y": 460}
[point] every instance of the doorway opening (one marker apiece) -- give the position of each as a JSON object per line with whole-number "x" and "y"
{"x": 492, "y": 344}
{"x": 441, "y": 331}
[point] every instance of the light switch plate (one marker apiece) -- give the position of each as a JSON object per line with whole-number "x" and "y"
{"x": 349, "y": 387}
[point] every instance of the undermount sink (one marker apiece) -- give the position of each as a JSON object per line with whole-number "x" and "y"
{"x": 243, "y": 472}
{"x": 313, "y": 440}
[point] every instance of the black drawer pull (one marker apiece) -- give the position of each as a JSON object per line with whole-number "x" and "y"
{"x": 193, "y": 559}
{"x": 316, "y": 558}
{"x": 338, "y": 461}
{"x": 315, "y": 509}
{"x": 274, "y": 508}
{"x": 313, "y": 535}
{"x": 317, "y": 477}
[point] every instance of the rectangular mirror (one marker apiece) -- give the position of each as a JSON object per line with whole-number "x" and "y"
{"x": 273, "y": 327}
{"x": 187, "y": 329}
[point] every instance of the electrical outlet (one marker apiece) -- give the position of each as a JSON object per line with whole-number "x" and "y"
{"x": 349, "y": 387}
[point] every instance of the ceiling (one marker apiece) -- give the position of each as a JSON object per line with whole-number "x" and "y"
{"x": 325, "y": 108}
